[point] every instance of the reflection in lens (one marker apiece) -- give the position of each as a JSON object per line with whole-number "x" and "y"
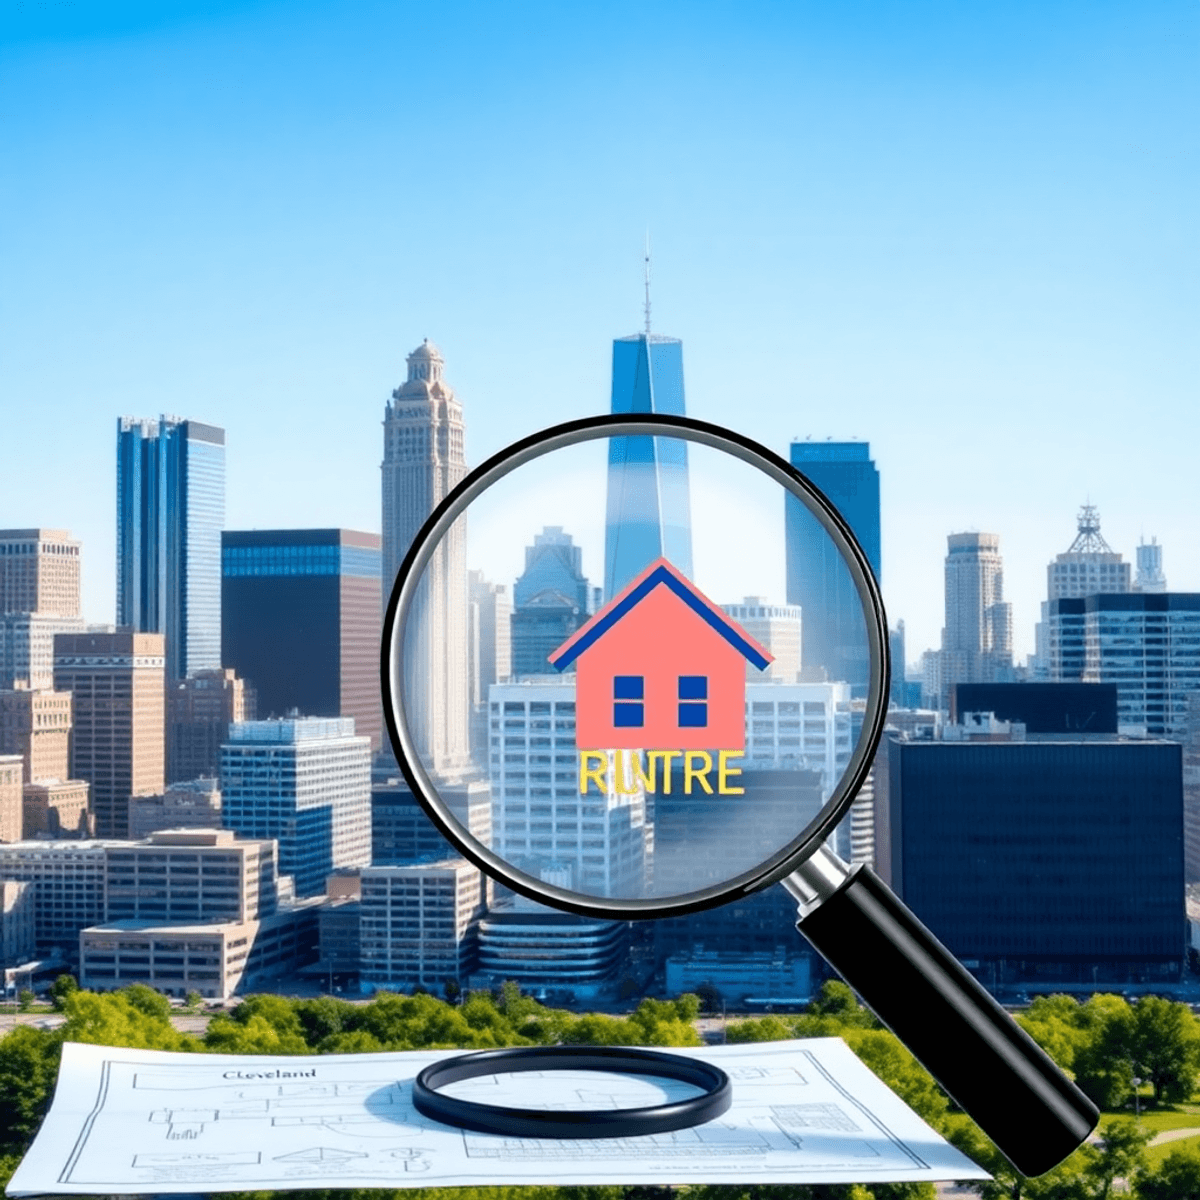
{"x": 638, "y": 721}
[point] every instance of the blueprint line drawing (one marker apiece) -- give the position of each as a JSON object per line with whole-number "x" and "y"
{"x": 146, "y": 1121}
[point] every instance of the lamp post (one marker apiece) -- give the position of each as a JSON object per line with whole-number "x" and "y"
{"x": 1137, "y": 1100}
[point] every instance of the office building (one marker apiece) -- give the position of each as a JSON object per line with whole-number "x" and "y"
{"x": 27, "y": 648}
{"x": 489, "y": 654}
{"x": 37, "y": 726}
{"x": 418, "y": 924}
{"x": 1191, "y": 790}
{"x": 55, "y": 808}
{"x": 117, "y": 683}
{"x": 834, "y": 638}
{"x": 648, "y": 509}
{"x": 17, "y": 926}
{"x": 1045, "y": 865}
{"x": 401, "y": 833}
{"x": 306, "y": 782}
{"x": 170, "y": 512}
{"x": 423, "y": 458}
{"x": 977, "y": 636}
{"x": 1147, "y": 643}
{"x": 192, "y": 875}
{"x": 775, "y": 627}
{"x": 200, "y": 710}
{"x": 596, "y": 843}
{"x": 550, "y": 601}
{"x": 11, "y": 778}
{"x": 300, "y": 622}
{"x": 39, "y": 572}
{"x": 1150, "y": 577}
{"x": 68, "y": 879}
{"x": 188, "y": 804}
{"x": 1044, "y": 709}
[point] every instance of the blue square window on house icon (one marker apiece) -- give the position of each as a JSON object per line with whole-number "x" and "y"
{"x": 629, "y": 696}
{"x": 693, "y": 701}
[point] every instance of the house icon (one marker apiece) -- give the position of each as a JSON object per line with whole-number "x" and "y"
{"x": 660, "y": 667}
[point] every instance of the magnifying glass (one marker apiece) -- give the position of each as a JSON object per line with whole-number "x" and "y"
{"x": 673, "y": 735}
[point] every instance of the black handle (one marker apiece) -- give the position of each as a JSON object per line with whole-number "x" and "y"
{"x": 993, "y": 1069}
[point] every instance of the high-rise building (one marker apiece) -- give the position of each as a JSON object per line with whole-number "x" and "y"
{"x": 1027, "y": 880}
{"x": 200, "y": 710}
{"x": 170, "y": 512}
{"x": 300, "y": 622}
{"x": 423, "y": 458}
{"x": 1147, "y": 643}
{"x": 27, "y": 647}
{"x": 11, "y": 816}
{"x": 648, "y": 513}
{"x": 775, "y": 626}
{"x": 190, "y": 804}
{"x": 37, "y": 726}
{"x": 117, "y": 744}
{"x": 39, "y": 572}
{"x": 977, "y": 637}
{"x": 834, "y": 643}
{"x": 57, "y": 808}
{"x": 550, "y": 600}
{"x": 305, "y": 782}
{"x": 489, "y": 627}
{"x": 1150, "y": 577}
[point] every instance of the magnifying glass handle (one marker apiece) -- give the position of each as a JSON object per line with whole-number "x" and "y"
{"x": 991, "y": 1067}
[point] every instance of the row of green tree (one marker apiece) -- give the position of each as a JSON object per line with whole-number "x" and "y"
{"x": 1106, "y": 1042}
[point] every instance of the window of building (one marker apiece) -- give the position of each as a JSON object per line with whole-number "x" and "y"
{"x": 629, "y": 696}
{"x": 693, "y": 701}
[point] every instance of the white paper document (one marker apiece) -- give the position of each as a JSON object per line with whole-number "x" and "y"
{"x": 128, "y": 1121}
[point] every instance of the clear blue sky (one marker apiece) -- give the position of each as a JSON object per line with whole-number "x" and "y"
{"x": 965, "y": 232}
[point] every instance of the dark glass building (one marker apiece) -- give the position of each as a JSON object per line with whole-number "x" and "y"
{"x": 550, "y": 601}
{"x": 1040, "y": 864}
{"x": 1043, "y": 708}
{"x": 831, "y": 628}
{"x": 170, "y": 511}
{"x": 300, "y": 621}
{"x": 648, "y": 512}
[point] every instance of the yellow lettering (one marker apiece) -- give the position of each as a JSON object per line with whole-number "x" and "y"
{"x": 666, "y": 756}
{"x": 621, "y": 774}
{"x": 589, "y": 774}
{"x": 648, "y": 781}
{"x": 724, "y": 770}
{"x": 698, "y": 773}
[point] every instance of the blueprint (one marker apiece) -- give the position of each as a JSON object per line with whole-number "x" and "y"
{"x": 130, "y": 1121}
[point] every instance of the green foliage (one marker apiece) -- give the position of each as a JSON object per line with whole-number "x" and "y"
{"x": 193, "y": 1000}
{"x": 322, "y": 1018}
{"x": 28, "y": 1067}
{"x": 759, "y": 1029}
{"x": 1164, "y": 1047}
{"x": 116, "y": 1019}
{"x": 838, "y": 1001}
{"x": 25, "y": 999}
{"x": 1177, "y": 1178}
{"x": 147, "y": 1000}
{"x": 61, "y": 988}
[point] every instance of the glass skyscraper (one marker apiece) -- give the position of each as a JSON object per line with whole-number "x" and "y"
{"x": 648, "y": 513}
{"x": 170, "y": 512}
{"x": 831, "y": 628}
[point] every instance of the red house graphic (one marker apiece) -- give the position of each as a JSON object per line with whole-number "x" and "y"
{"x": 660, "y": 666}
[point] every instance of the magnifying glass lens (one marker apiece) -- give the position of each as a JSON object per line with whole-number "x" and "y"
{"x": 603, "y": 646}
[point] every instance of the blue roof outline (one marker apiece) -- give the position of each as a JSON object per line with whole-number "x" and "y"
{"x": 664, "y": 575}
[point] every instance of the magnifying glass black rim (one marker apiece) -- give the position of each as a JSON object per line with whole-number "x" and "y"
{"x": 456, "y": 502}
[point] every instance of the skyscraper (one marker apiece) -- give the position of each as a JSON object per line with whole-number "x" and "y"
{"x": 300, "y": 621}
{"x": 648, "y": 511}
{"x": 306, "y": 783}
{"x": 1150, "y": 577}
{"x": 977, "y": 637}
{"x": 39, "y": 572}
{"x": 423, "y": 458}
{"x": 550, "y": 600}
{"x": 117, "y": 744}
{"x": 832, "y": 636}
{"x": 170, "y": 512}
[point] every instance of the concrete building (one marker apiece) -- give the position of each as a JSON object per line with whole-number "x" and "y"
{"x": 39, "y": 572}
{"x": 306, "y": 782}
{"x": 1150, "y": 577}
{"x": 834, "y": 643}
{"x": 117, "y": 680}
{"x": 17, "y": 926}
{"x": 775, "y": 626}
{"x": 11, "y": 815}
{"x": 200, "y": 710}
{"x": 191, "y": 804}
{"x": 300, "y": 621}
{"x": 57, "y": 809}
{"x": 170, "y": 512}
{"x": 36, "y": 724}
{"x": 27, "y": 648}
{"x": 191, "y": 875}
{"x": 760, "y": 975}
{"x": 418, "y": 924}
{"x": 551, "y": 599}
{"x": 423, "y": 458}
{"x": 489, "y": 620}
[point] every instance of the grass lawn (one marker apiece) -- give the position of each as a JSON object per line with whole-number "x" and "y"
{"x": 1156, "y": 1154}
{"x": 1157, "y": 1122}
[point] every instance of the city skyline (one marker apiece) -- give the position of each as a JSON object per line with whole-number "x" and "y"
{"x": 1010, "y": 329}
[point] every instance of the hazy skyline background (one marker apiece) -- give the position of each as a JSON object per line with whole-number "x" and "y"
{"x": 966, "y": 234}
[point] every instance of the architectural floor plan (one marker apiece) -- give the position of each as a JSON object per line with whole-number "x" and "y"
{"x": 129, "y": 1121}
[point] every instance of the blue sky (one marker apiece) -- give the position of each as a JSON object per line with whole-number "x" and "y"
{"x": 966, "y": 233}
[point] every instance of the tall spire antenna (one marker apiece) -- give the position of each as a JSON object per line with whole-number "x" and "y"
{"x": 647, "y": 284}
